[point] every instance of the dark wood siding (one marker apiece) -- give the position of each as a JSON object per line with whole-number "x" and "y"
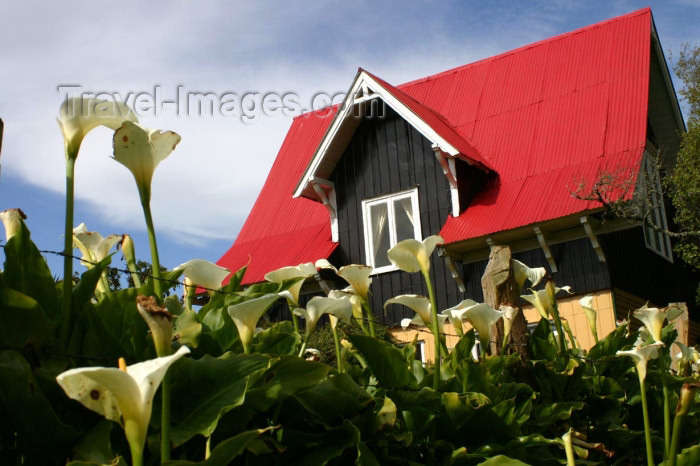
{"x": 577, "y": 266}
{"x": 636, "y": 269}
{"x": 388, "y": 155}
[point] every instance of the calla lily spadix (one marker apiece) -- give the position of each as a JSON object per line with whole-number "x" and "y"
{"x": 524, "y": 273}
{"x": 541, "y": 301}
{"x": 92, "y": 245}
{"x": 653, "y": 318}
{"x": 141, "y": 150}
{"x": 203, "y": 273}
{"x": 304, "y": 271}
{"x": 121, "y": 395}
{"x": 411, "y": 255}
{"x": 482, "y": 317}
{"x": 12, "y": 221}
{"x": 246, "y": 315}
{"x": 79, "y": 115}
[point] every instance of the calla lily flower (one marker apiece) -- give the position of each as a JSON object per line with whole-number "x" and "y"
{"x": 419, "y": 304}
{"x": 159, "y": 321}
{"x": 418, "y": 322}
{"x": 141, "y": 150}
{"x": 92, "y": 245}
{"x": 304, "y": 271}
{"x": 411, "y": 255}
{"x": 591, "y": 315}
{"x": 541, "y": 301}
{"x": 509, "y": 313}
{"x": 355, "y": 310}
{"x": 641, "y": 356}
{"x": 12, "y": 220}
{"x": 523, "y": 273}
{"x": 246, "y": 315}
{"x": 122, "y": 395}
{"x": 653, "y": 318}
{"x": 686, "y": 356}
{"x": 319, "y": 305}
{"x": 456, "y": 314}
{"x": 358, "y": 278}
{"x": 482, "y": 317}
{"x": 79, "y": 115}
{"x": 203, "y": 273}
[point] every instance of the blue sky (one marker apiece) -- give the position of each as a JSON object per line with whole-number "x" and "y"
{"x": 204, "y": 190}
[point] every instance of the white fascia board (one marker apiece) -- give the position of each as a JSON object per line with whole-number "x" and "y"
{"x": 363, "y": 82}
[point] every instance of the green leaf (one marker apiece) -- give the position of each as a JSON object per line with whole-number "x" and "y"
{"x": 225, "y": 452}
{"x": 219, "y": 327}
{"x": 335, "y": 398}
{"x": 319, "y": 448}
{"x": 288, "y": 376}
{"x": 95, "y": 446}
{"x": 386, "y": 417}
{"x": 689, "y": 456}
{"x": 39, "y": 431}
{"x": 548, "y": 413}
{"x": 461, "y": 406}
{"x": 26, "y": 271}
{"x": 234, "y": 283}
{"x": 612, "y": 343}
{"x": 187, "y": 328}
{"x": 387, "y": 362}
{"x": 85, "y": 289}
{"x": 502, "y": 460}
{"x": 278, "y": 340}
{"x": 205, "y": 389}
{"x": 23, "y": 321}
{"x": 365, "y": 457}
{"x": 542, "y": 342}
{"x": 462, "y": 350}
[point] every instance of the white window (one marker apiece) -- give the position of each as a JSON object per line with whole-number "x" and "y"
{"x": 388, "y": 220}
{"x": 657, "y": 241}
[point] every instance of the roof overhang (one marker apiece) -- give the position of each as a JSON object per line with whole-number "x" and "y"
{"x": 364, "y": 89}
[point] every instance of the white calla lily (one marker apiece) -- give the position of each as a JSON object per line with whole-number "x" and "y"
{"x": 246, "y": 315}
{"x": 411, "y": 255}
{"x": 304, "y": 271}
{"x": 203, "y": 273}
{"x": 482, "y": 317}
{"x": 524, "y": 273}
{"x": 92, "y": 245}
{"x": 79, "y": 115}
{"x": 419, "y": 304}
{"x": 418, "y": 322}
{"x": 509, "y": 313}
{"x": 358, "y": 278}
{"x": 341, "y": 307}
{"x": 122, "y": 395}
{"x": 641, "y": 356}
{"x": 12, "y": 221}
{"x": 541, "y": 301}
{"x": 591, "y": 315}
{"x": 687, "y": 355}
{"x": 141, "y": 150}
{"x": 653, "y": 318}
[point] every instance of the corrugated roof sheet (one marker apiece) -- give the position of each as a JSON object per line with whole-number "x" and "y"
{"x": 542, "y": 116}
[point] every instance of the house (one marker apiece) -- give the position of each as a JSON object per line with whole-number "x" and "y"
{"x": 487, "y": 153}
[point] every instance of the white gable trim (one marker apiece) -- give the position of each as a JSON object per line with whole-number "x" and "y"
{"x": 366, "y": 88}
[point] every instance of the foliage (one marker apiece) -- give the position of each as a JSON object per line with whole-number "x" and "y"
{"x": 685, "y": 179}
{"x": 115, "y": 276}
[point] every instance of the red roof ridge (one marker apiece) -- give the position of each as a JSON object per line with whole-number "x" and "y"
{"x": 526, "y": 47}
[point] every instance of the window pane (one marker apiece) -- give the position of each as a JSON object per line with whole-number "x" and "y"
{"x": 380, "y": 233}
{"x": 403, "y": 211}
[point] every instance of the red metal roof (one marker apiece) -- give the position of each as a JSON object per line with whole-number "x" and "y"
{"x": 542, "y": 116}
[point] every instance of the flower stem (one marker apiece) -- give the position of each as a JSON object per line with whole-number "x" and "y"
{"x": 68, "y": 252}
{"x": 370, "y": 316}
{"x": 667, "y": 423}
{"x": 155, "y": 261}
{"x": 436, "y": 328}
{"x": 673, "y": 451}
{"x": 647, "y": 426}
{"x": 165, "y": 419}
{"x": 338, "y": 355}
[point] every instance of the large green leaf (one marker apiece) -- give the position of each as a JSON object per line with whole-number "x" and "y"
{"x": 612, "y": 343}
{"x": 225, "y": 452}
{"x": 543, "y": 343}
{"x": 187, "y": 328}
{"x": 23, "y": 321}
{"x": 502, "y": 460}
{"x": 219, "y": 327}
{"x": 335, "y": 398}
{"x": 205, "y": 389}
{"x": 288, "y": 376}
{"x": 461, "y": 406}
{"x": 278, "y": 340}
{"x": 95, "y": 446}
{"x": 307, "y": 448}
{"x": 26, "y": 271}
{"x": 387, "y": 362}
{"x": 547, "y": 414}
{"x": 462, "y": 350}
{"x": 39, "y": 431}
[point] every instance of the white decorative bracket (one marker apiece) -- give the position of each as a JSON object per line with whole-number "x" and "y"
{"x": 449, "y": 169}
{"x": 594, "y": 239}
{"x": 453, "y": 269}
{"x": 545, "y": 248}
{"x": 326, "y": 193}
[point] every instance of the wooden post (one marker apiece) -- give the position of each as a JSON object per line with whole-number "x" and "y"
{"x": 499, "y": 287}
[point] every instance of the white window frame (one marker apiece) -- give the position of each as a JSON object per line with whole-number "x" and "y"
{"x": 389, "y": 201}
{"x": 656, "y": 241}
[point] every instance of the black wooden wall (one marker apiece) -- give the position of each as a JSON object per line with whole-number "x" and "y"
{"x": 387, "y": 155}
{"x": 577, "y": 266}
